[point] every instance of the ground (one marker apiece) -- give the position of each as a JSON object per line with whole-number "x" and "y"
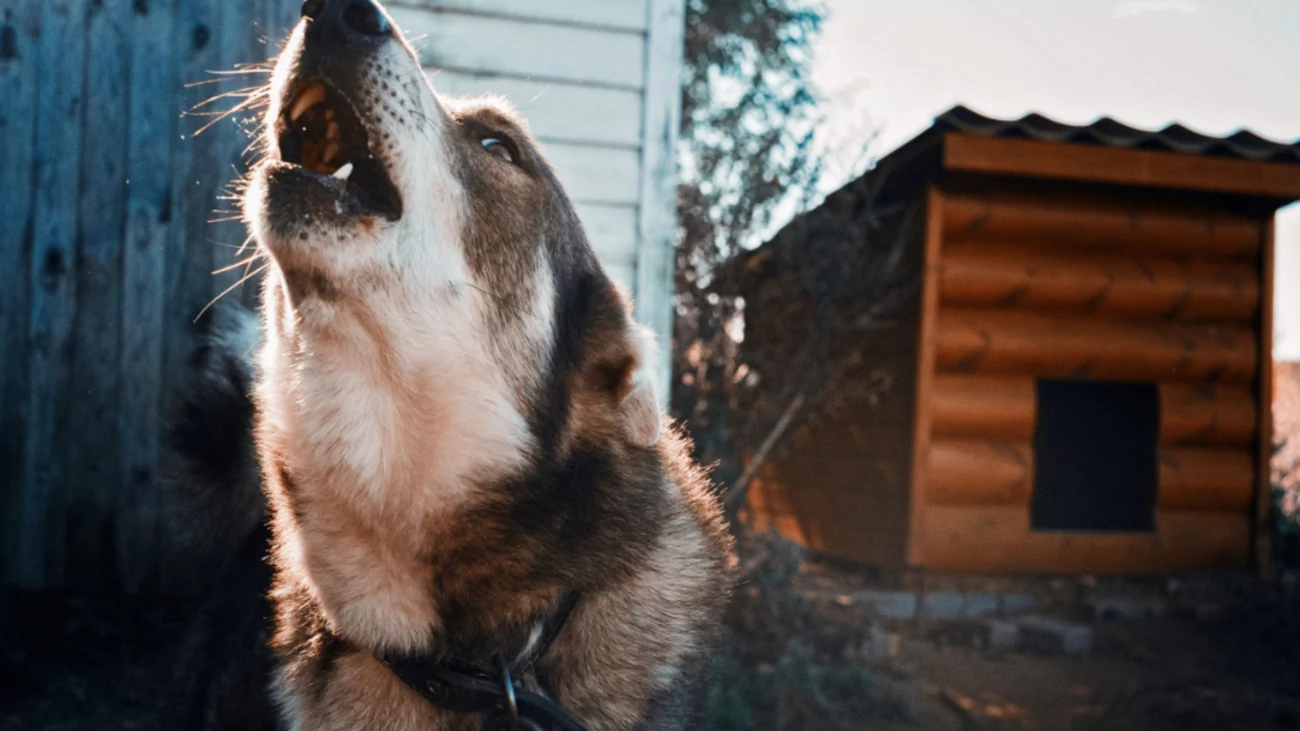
{"x": 1205, "y": 652}
{"x": 1222, "y": 653}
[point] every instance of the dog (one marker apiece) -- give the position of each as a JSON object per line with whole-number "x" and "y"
{"x": 467, "y": 474}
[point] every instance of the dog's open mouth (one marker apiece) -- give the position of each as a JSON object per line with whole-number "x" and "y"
{"x": 321, "y": 132}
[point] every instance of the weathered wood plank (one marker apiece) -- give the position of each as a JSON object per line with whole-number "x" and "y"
{"x": 146, "y": 314}
{"x": 1099, "y": 284}
{"x": 606, "y": 175}
{"x": 59, "y": 109}
{"x": 196, "y": 181}
{"x": 998, "y": 539}
{"x": 558, "y": 111}
{"x": 1095, "y": 163}
{"x": 927, "y": 325}
{"x": 1262, "y": 520}
{"x": 657, "y": 224}
{"x": 993, "y": 341}
{"x": 240, "y": 34}
{"x": 621, "y": 14}
{"x": 19, "y": 80}
{"x": 92, "y": 446}
{"x": 1206, "y": 479}
{"x": 531, "y": 50}
{"x": 1103, "y": 223}
{"x": 611, "y": 231}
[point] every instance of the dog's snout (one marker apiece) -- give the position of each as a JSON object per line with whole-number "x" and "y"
{"x": 363, "y": 16}
{"x": 342, "y": 22}
{"x": 312, "y": 9}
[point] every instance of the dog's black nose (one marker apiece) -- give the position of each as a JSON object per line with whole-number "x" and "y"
{"x": 345, "y": 21}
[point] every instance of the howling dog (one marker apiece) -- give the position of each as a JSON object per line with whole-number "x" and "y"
{"x": 477, "y": 518}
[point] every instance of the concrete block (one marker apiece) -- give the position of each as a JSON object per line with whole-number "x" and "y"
{"x": 940, "y": 604}
{"x": 889, "y": 604}
{"x": 881, "y": 645}
{"x": 1054, "y": 636}
{"x": 1003, "y": 634}
{"x": 1123, "y": 609}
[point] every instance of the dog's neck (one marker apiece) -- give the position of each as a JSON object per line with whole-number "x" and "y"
{"x": 386, "y": 408}
{"x": 379, "y": 436}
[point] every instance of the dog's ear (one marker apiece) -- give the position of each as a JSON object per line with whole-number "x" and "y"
{"x": 614, "y": 395}
{"x": 638, "y": 406}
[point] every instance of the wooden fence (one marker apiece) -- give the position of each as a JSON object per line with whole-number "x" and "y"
{"x": 111, "y": 226}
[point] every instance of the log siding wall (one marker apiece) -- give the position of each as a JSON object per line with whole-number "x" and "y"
{"x": 1037, "y": 286}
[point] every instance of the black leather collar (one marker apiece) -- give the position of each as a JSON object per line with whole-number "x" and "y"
{"x": 491, "y": 689}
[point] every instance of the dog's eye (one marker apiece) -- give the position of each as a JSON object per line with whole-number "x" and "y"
{"x": 499, "y": 147}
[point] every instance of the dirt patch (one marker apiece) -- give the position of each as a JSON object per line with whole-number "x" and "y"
{"x": 1220, "y": 653}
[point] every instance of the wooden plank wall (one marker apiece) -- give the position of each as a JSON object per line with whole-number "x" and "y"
{"x": 598, "y": 82}
{"x": 116, "y": 221}
{"x": 105, "y": 258}
{"x": 1070, "y": 286}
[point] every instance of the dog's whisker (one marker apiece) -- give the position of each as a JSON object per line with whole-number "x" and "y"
{"x": 241, "y": 263}
{"x": 231, "y": 288}
{"x": 237, "y": 108}
{"x": 242, "y": 247}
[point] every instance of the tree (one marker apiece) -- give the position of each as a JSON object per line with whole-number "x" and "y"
{"x": 748, "y": 150}
{"x": 751, "y": 152}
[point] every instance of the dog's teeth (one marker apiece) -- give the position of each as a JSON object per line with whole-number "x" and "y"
{"x": 309, "y": 97}
{"x": 343, "y": 172}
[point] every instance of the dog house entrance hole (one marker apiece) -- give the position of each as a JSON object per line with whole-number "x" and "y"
{"x": 1095, "y": 464}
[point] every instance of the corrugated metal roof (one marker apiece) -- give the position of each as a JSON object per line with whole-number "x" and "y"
{"x": 1105, "y": 131}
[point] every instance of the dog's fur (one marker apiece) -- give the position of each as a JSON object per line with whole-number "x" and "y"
{"x": 456, "y": 427}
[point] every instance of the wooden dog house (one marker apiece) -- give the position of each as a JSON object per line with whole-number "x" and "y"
{"x": 1084, "y": 369}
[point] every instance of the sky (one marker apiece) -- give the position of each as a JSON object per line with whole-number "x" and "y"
{"x": 888, "y": 67}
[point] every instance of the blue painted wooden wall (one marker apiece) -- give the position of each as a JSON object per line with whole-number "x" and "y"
{"x": 110, "y": 230}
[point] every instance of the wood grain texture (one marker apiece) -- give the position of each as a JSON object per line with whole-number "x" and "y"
{"x": 993, "y": 472}
{"x": 657, "y": 222}
{"x": 558, "y": 111}
{"x": 1206, "y": 479}
{"x": 618, "y": 14}
{"x": 1207, "y": 415}
{"x": 197, "y": 171}
{"x": 93, "y": 468}
{"x": 997, "y": 539}
{"x": 59, "y": 109}
{"x": 1005, "y": 408}
{"x": 539, "y": 51}
{"x": 979, "y": 472}
{"x": 1100, "y": 284}
{"x": 1093, "y": 163}
{"x": 20, "y": 80}
{"x": 926, "y": 366}
{"x": 1262, "y": 551}
{"x": 612, "y": 232}
{"x": 983, "y": 407}
{"x": 240, "y": 44}
{"x": 151, "y": 225}
{"x": 989, "y": 341}
{"x": 602, "y": 175}
{"x": 1054, "y": 221}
